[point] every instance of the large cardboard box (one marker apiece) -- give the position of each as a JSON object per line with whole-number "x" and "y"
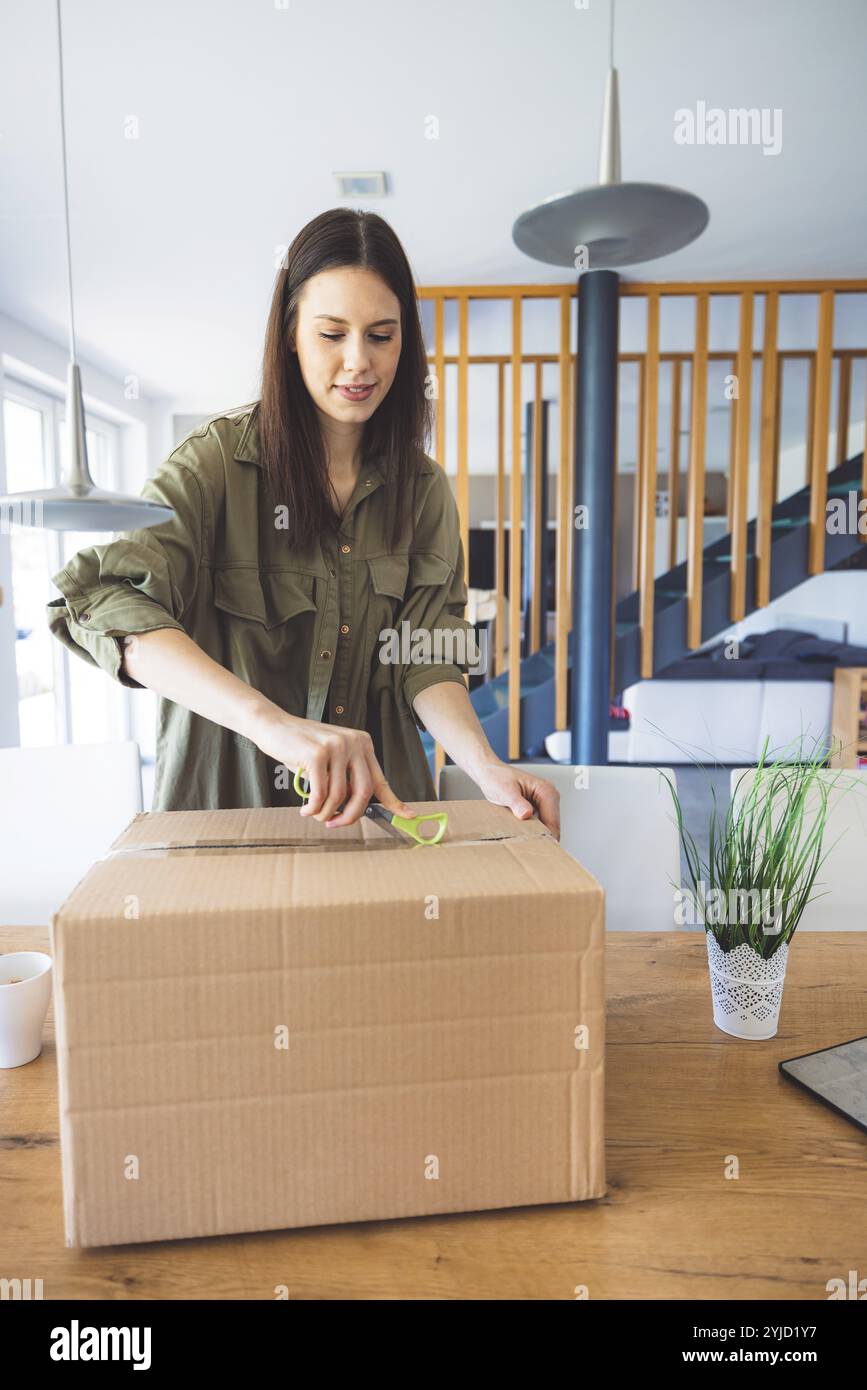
{"x": 262, "y": 1023}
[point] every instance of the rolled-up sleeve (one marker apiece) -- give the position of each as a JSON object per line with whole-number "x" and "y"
{"x": 436, "y": 596}
{"x": 137, "y": 582}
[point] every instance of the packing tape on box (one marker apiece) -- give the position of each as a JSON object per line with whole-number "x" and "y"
{"x": 275, "y": 846}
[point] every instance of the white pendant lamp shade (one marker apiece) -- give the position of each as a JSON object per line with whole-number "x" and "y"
{"x": 619, "y": 224}
{"x": 77, "y": 504}
{"x": 610, "y": 224}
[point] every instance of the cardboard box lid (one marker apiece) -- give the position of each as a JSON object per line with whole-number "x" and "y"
{"x": 249, "y": 861}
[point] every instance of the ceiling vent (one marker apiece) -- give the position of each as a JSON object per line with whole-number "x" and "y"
{"x": 361, "y": 185}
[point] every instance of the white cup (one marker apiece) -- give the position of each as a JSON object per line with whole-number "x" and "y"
{"x": 23, "y": 1005}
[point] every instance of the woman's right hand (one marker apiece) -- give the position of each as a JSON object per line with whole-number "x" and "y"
{"x": 338, "y": 763}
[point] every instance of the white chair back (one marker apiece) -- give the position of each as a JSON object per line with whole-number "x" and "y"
{"x": 620, "y": 826}
{"x": 60, "y": 809}
{"x": 841, "y": 883}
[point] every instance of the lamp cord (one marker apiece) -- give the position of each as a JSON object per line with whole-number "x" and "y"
{"x": 65, "y": 190}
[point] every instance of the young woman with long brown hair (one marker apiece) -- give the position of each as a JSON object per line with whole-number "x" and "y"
{"x": 305, "y": 525}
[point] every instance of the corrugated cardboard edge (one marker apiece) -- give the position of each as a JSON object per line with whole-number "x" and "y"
{"x": 55, "y": 946}
{"x": 589, "y": 1176}
{"x": 587, "y": 1169}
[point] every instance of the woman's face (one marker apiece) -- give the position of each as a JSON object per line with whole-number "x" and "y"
{"x": 347, "y": 334}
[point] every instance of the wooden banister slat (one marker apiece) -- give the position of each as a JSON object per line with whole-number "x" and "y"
{"x": 733, "y": 448}
{"x": 811, "y": 416}
{"x": 515, "y": 543}
{"x": 570, "y": 509}
{"x": 767, "y": 450}
{"x": 862, "y": 533}
{"x": 695, "y": 475}
{"x": 564, "y": 525}
{"x": 639, "y": 474}
{"x": 674, "y": 465}
{"x": 462, "y": 489}
{"x": 540, "y": 522}
{"x": 821, "y": 422}
{"x": 612, "y": 627}
{"x": 737, "y": 607}
{"x": 844, "y": 395}
{"x": 781, "y": 378}
{"x": 500, "y": 537}
{"x": 440, "y": 375}
{"x": 648, "y": 487}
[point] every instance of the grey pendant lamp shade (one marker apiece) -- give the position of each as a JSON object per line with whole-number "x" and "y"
{"x": 78, "y": 504}
{"x": 619, "y": 223}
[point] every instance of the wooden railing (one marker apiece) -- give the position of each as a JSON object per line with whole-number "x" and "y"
{"x": 693, "y": 364}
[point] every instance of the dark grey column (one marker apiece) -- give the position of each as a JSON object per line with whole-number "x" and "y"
{"x": 593, "y": 547}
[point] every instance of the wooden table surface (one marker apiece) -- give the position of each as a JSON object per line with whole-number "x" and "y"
{"x": 683, "y": 1101}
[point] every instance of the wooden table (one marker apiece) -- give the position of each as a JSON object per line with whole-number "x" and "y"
{"x": 682, "y": 1098}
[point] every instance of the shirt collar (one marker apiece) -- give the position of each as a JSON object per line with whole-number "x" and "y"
{"x": 249, "y": 451}
{"x": 248, "y": 445}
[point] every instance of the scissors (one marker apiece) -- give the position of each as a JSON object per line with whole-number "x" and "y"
{"x": 410, "y": 825}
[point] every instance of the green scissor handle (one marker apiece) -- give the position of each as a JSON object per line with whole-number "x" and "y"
{"x": 410, "y": 825}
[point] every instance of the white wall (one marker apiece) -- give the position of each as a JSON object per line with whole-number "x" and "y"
{"x": 841, "y": 595}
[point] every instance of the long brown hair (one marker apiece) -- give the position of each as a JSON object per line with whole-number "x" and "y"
{"x": 397, "y": 434}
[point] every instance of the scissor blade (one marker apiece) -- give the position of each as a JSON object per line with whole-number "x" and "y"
{"x": 377, "y": 812}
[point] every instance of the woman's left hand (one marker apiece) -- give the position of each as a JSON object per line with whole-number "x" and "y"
{"x": 521, "y": 791}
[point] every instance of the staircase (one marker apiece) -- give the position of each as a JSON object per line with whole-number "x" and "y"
{"x": 789, "y": 567}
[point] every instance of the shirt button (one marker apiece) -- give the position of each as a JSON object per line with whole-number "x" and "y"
{"x": 368, "y": 482}
{"x": 332, "y": 572}
{"x": 338, "y": 709}
{"x": 346, "y": 549}
{"x": 344, "y": 627}
{"x": 85, "y": 618}
{"x": 325, "y": 655}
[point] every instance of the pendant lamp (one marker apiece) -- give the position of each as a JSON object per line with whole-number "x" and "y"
{"x": 619, "y": 223}
{"x": 78, "y": 504}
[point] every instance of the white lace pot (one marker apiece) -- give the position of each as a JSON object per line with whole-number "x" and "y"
{"x": 747, "y": 989}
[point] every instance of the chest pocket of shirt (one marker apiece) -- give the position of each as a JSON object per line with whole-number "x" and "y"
{"x": 388, "y": 580}
{"x": 388, "y": 574}
{"x": 270, "y": 599}
{"x": 428, "y": 568}
{"x": 267, "y": 623}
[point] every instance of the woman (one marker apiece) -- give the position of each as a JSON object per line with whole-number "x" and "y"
{"x": 305, "y": 525}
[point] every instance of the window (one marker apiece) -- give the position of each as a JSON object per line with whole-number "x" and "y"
{"x": 61, "y": 698}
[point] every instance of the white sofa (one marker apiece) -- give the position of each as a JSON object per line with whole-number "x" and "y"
{"x": 722, "y": 721}
{"x": 712, "y": 721}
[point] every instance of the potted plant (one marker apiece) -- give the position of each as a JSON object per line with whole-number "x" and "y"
{"x": 760, "y": 872}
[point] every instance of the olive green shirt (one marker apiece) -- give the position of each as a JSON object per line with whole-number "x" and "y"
{"x": 300, "y": 625}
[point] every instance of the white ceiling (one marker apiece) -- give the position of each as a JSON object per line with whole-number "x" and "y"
{"x": 245, "y": 109}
